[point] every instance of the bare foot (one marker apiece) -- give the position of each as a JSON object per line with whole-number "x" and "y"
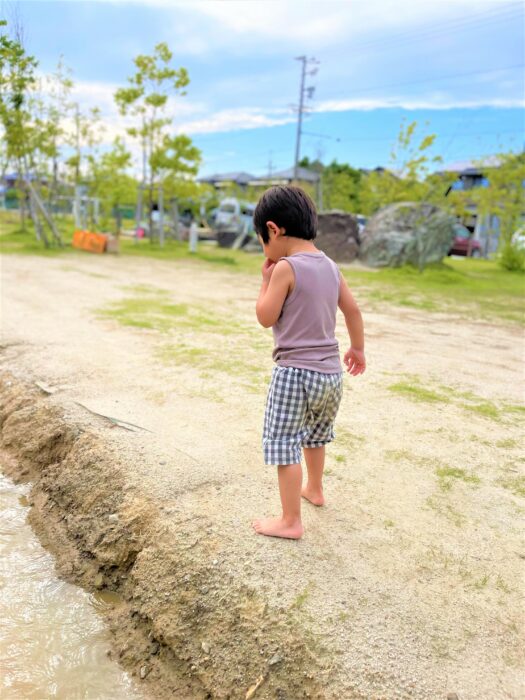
{"x": 315, "y": 497}
{"x": 276, "y": 527}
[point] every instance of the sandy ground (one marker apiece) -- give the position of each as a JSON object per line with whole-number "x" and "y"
{"x": 411, "y": 577}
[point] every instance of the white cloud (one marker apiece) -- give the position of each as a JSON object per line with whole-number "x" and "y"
{"x": 202, "y": 27}
{"x": 433, "y": 101}
{"x": 194, "y": 117}
{"x": 235, "y": 119}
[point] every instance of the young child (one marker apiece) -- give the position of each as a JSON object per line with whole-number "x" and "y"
{"x": 300, "y": 292}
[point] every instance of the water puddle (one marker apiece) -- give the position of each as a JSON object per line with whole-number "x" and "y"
{"x": 53, "y": 644}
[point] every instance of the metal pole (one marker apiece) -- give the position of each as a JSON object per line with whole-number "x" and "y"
{"x": 76, "y": 208}
{"x": 300, "y": 118}
{"x": 138, "y": 211}
{"x": 96, "y": 210}
{"x": 194, "y": 236}
{"x": 161, "y": 216}
{"x": 175, "y": 217}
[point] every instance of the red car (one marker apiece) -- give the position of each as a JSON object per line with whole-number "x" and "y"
{"x": 465, "y": 244}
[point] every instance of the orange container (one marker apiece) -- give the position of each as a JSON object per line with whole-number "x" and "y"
{"x": 92, "y": 242}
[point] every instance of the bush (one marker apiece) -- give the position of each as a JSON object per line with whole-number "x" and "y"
{"x": 512, "y": 257}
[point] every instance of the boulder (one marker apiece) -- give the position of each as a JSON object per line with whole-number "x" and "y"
{"x": 337, "y": 235}
{"x": 407, "y": 232}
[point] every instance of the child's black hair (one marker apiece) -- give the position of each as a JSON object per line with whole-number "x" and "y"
{"x": 290, "y": 208}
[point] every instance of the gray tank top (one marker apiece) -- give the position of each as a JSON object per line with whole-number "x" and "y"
{"x": 304, "y": 334}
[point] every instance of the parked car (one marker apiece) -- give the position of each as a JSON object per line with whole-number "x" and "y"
{"x": 464, "y": 243}
{"x": 234, "y": 215}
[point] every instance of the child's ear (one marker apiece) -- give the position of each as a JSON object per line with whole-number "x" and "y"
{"x": 272, "y": 228}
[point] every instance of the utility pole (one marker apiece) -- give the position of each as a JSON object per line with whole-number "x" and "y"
{"x": 310, "y": 90}
{"x": 270, "y": 164}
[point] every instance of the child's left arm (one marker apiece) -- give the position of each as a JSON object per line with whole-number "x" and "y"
{"x": 277, "y": 280}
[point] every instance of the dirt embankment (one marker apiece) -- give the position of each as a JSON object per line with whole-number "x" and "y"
{"x": 186, "y": 627}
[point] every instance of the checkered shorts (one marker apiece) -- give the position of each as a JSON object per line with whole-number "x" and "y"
{"x": 300, "y": 411}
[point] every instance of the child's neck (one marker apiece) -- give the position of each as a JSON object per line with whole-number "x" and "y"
{"x": 299, "y": 245}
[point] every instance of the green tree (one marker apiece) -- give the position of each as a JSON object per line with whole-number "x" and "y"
{"x": 146, "y": 99}
{"x": 109, "y": 180}
{"x": 58, "y": 87}
{"x": 406, "y": 179}
{"x": 504, "y": 195}
{"x": 86, "y": 136}
{"x": 341, "y": 186}
{"x": 17, "y": 78}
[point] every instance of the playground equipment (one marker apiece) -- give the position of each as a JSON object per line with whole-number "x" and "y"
{"x": 157, "y": 216}
{"x": 86, "y": 210}
{"x": 165, "y": 221}
{"x": 37, "y": 208}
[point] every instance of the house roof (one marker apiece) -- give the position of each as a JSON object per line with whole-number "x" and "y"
{"x": 284, "y": 176}
{"x": 241, "y": 178}
{"x": 470, "y": 167}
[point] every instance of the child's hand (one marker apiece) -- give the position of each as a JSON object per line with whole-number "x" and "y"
{"x": 267, "y": 269}
{"x": 355, "y": 361}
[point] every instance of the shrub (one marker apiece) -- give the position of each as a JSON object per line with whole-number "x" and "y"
{"x": 512, "y": 257}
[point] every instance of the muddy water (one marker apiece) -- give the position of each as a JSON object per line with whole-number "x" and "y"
{"x": 53, "y": 643}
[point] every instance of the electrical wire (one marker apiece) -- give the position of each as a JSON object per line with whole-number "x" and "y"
{"x": 509, "y": 13}
{"x": 430, "y": 80}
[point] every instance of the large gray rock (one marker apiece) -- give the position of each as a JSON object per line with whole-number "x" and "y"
{"x": 337, "y": 235}
{"x": 417, "y": 233}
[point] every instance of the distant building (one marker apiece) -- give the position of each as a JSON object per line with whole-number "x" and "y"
{"x": 281, "y": 177}
{"x": 286, "y": 177}
{"x": 470, "y": 174}
{"x": 219, "y": 181}
{"x": 242, "y": 179}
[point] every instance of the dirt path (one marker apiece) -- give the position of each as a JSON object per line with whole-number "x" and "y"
{"x": 410, "y": 580}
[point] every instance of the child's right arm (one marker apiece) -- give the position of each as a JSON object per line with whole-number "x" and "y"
{"x": 354, "y": 358}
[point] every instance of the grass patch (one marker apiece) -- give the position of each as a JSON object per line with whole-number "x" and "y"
{"x": 507, "y": 443}
{"x": 413, "y": 389}
{"x": 416, "y": 392}
{"x": 481, "y": 583}
{"x": 153, "y": 314}
{"x": 154, "y": 311}
{"x": 447, "y": 475}
{"x": 516, "y": 484}
{"x": 402, "y": 455}
{"x": 301, "y": 599}
{"x": 347, "y": 438}
{"x": 446, "y": 510}
{"x": 486, "y": 409}
{"x": 144, "y": 289}
{"x": 469, "y": 288}
{"x": 208, "y": 361}
{"x": 502, "y": 586}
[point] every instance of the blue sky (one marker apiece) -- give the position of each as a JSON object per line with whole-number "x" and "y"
{"x": 456, "y": 65}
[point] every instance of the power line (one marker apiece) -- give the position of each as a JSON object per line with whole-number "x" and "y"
{"x": 393, "y": 137}
{"x": 510, "y": 12}
{"x": 431, "y": 80}
{"x": 245, "y": 132}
